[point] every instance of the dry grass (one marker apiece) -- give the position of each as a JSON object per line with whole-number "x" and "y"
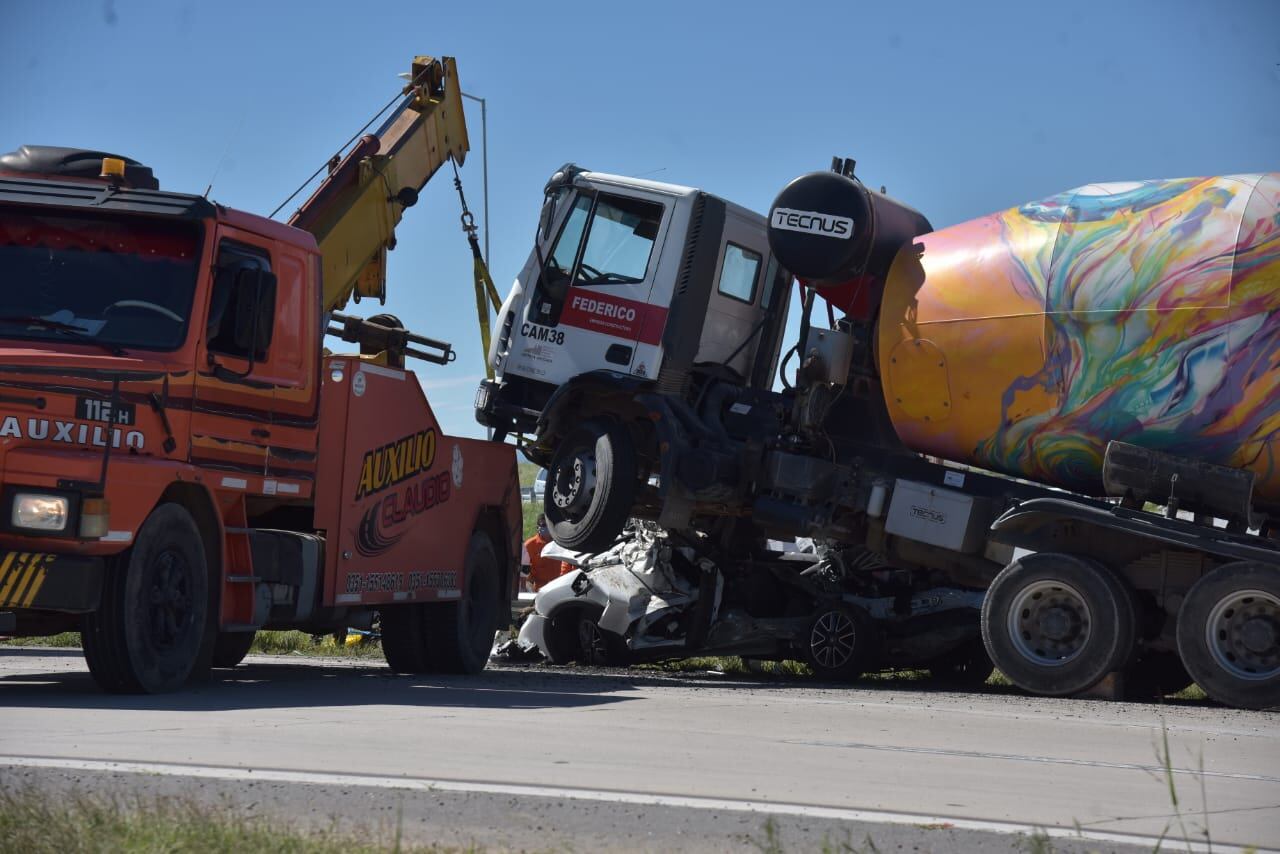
{"x": 34, "y": 822}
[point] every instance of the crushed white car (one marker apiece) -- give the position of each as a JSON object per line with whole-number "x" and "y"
{"x": 651, "y": 597}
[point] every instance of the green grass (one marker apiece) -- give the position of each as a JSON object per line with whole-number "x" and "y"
{"x": 528, "y": 471}
{"x": 67, "y": 640}
{"x": 301, "y": 643}
{"x": 32, "y": 822}
{"x": 265, "y": 643}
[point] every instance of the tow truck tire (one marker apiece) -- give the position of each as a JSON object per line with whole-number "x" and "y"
{"x": 840, "y": 642}
{"x": 1056, "y": 624}
{"x": 230, "y": 648}
{"x": 1229, "y": 635}
{"x": 404, "y": 642}
{"x": 150, "y": 629}
{"x": 459, "y": 635}
{"x": 591, "y": 486}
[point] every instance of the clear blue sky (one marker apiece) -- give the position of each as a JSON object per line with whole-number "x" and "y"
{"x": 960, "y": 108}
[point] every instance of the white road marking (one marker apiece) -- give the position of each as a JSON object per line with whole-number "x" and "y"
{"x": 424, "y": 784}
{"x": 1014, "y": 757}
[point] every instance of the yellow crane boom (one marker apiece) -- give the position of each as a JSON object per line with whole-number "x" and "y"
{"x": 354, "y": 211}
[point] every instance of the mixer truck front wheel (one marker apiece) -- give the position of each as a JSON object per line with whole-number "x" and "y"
{"x": 1229, "y": 635}
{"x": 591, "y": 486}
{"x": 1056, "y": 624}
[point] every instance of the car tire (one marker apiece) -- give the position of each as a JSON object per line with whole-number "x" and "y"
{"x": 591, "y": 487}
{"x": 1056, "y": 624}
{"x": 840, "y": 642}
{"x": 152, "y": 631}
{"x": 1228, "y": 635}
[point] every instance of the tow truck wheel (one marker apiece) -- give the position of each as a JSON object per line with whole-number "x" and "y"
{"x": 591, "y": 486}
{"x": 404, "y": 642}
{"x": 152, "y": 621}
{"x": 1056, "y": 624}
{"x": 230, "y": 648}
{"x": 840, "y": 642}
{"x": 1229, "y": 635}
{"x": 459, "y": 635}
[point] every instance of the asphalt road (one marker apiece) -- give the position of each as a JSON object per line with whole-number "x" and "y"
{"x": 541, "y": 758}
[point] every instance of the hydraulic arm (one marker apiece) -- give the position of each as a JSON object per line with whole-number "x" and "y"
{"x": 354, "y": 211}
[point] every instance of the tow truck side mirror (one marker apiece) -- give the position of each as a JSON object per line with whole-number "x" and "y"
{"x": 255, "y": 314}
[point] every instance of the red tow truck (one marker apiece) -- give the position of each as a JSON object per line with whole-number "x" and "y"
{"x": 182, "y": 463}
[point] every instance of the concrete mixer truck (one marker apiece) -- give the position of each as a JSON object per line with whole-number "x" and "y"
{"x": 1045, "y": 438}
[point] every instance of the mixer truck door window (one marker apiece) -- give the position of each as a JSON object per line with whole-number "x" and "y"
{"x": 738, "y": 273}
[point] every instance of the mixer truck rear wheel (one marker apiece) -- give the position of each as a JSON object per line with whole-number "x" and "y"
{"x": 840, "y": 642}
{"x": 1056, "y": 624}
{"x": 591, "y": 486}
{"x": 1229, "y": 635}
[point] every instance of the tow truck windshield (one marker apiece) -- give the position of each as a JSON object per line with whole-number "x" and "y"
{"x": 115, "y": 281}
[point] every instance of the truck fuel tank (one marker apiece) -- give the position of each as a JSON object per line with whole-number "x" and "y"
{"x": 1142, "y": 312}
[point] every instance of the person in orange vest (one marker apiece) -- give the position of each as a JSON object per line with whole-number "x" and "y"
{"x": 538, "y": 570}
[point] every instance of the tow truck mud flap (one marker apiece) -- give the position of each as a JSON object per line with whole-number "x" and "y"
{"x": 37, "y": 580}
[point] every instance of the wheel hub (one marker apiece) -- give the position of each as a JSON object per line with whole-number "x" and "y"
{"x": 1049, "y": 623}
{"x": 574, "y": 484}
{"x": 1243, "y": 634}
{"x": 832, "y": 639}
{"x": 169, "y": 600}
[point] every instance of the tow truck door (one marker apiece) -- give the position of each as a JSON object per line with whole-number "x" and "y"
{"x": 237, "y": 427}
{"x": 590, "y": 307}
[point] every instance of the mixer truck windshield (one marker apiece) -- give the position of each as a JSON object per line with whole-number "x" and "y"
{"x": 110, "y": 280}
{"x": 619, "y": 237}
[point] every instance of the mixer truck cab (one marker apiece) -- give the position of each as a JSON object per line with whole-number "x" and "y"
{"x": 635, "y": 294}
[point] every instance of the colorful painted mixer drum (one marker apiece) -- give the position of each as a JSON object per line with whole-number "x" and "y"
{"x": 1147, "y": 312}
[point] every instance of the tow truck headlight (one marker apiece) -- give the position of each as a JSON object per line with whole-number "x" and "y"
{"x": 37, "y": 512}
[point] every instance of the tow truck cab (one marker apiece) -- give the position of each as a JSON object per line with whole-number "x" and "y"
{"x": 172, "y": 476}
{"x": 633, "y": 288}
{"x": 139, "y": 330}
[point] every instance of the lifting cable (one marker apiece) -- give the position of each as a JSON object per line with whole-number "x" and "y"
{"x": 486, "y": 293}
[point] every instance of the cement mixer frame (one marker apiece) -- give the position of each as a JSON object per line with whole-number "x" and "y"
{"x": 689, "y": 433}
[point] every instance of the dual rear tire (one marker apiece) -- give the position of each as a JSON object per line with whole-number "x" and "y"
{"x": 449, "y": 637}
